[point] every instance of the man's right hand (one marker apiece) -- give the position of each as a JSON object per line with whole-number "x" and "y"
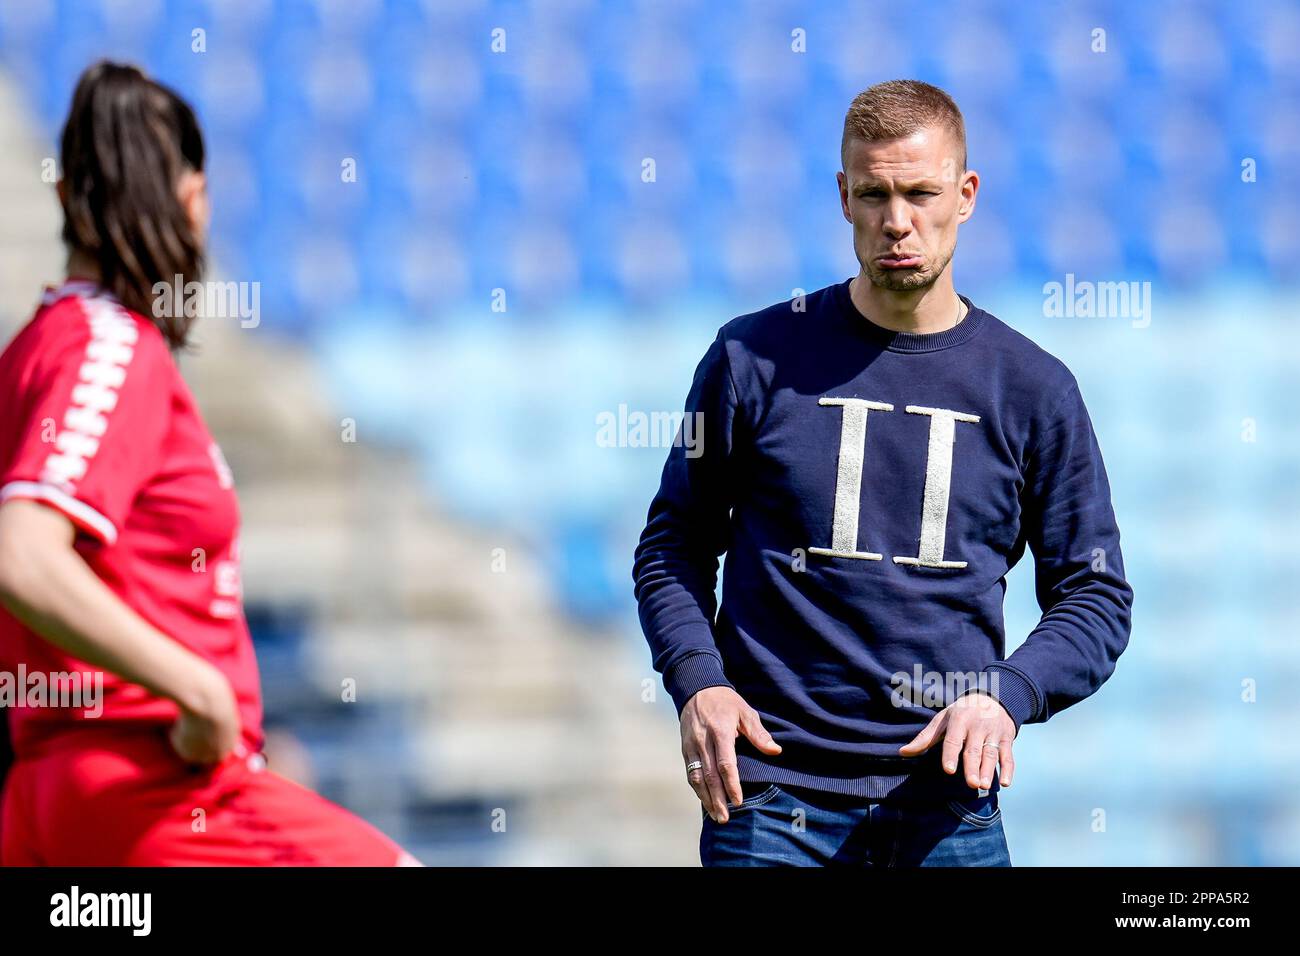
{"x": 711, "y": 721}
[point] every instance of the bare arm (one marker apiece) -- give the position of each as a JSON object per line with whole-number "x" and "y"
{"x": 47, "y": 586}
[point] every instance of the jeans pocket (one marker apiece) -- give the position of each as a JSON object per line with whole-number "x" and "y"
{"x": 981, "y": 812}
{"x": 757, "y": 800}
{"x": 749, "y": 803}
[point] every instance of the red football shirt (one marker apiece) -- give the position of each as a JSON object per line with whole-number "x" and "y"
{"x": 99, "y": 424}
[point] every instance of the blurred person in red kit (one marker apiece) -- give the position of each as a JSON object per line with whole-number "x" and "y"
{"x": 119, "y": 547}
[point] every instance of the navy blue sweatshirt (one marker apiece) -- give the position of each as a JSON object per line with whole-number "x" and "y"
{"x": 871, "y": 490}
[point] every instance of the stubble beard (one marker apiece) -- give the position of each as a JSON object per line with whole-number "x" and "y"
{"x": 907, "y": 280}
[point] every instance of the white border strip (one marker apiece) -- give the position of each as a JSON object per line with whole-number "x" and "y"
{"x": 74, "y": 508}
{"x": 82, "y": 288}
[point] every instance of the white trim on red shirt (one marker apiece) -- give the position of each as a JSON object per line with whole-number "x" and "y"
{"x": 77, "y": 510}
{"x": 80, "y": 287}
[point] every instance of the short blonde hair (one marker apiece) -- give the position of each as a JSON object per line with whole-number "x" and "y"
{"x": 898, "y": 108}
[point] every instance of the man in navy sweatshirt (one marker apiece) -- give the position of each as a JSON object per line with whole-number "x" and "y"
{"x": 874, "y": 458}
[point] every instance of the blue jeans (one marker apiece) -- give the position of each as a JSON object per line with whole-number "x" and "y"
{"x": 784, "y": 825}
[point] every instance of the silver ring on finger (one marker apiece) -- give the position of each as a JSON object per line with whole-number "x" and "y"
{"x": 991, "y": 747}
{"x": 694, "y": 765}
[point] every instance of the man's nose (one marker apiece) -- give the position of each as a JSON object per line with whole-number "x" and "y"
{"x": 897, "y": 222}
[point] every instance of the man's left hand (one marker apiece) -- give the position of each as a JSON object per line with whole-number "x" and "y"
{"x": 977, "y": 727}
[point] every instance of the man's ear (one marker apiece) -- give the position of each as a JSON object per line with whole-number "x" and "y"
{"x": 62, "y": 188}
{"x": 970, "y": 187}
{"x": 844, "y": 196}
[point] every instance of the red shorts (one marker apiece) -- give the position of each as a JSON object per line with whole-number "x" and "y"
{"x": 123, "y": 798}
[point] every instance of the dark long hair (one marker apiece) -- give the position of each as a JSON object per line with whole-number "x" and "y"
{"x": 124, "y": 146}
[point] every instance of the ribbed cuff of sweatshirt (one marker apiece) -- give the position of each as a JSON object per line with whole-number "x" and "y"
{"x": 1013, "y": 690}
{"x": 691, "y": 675}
